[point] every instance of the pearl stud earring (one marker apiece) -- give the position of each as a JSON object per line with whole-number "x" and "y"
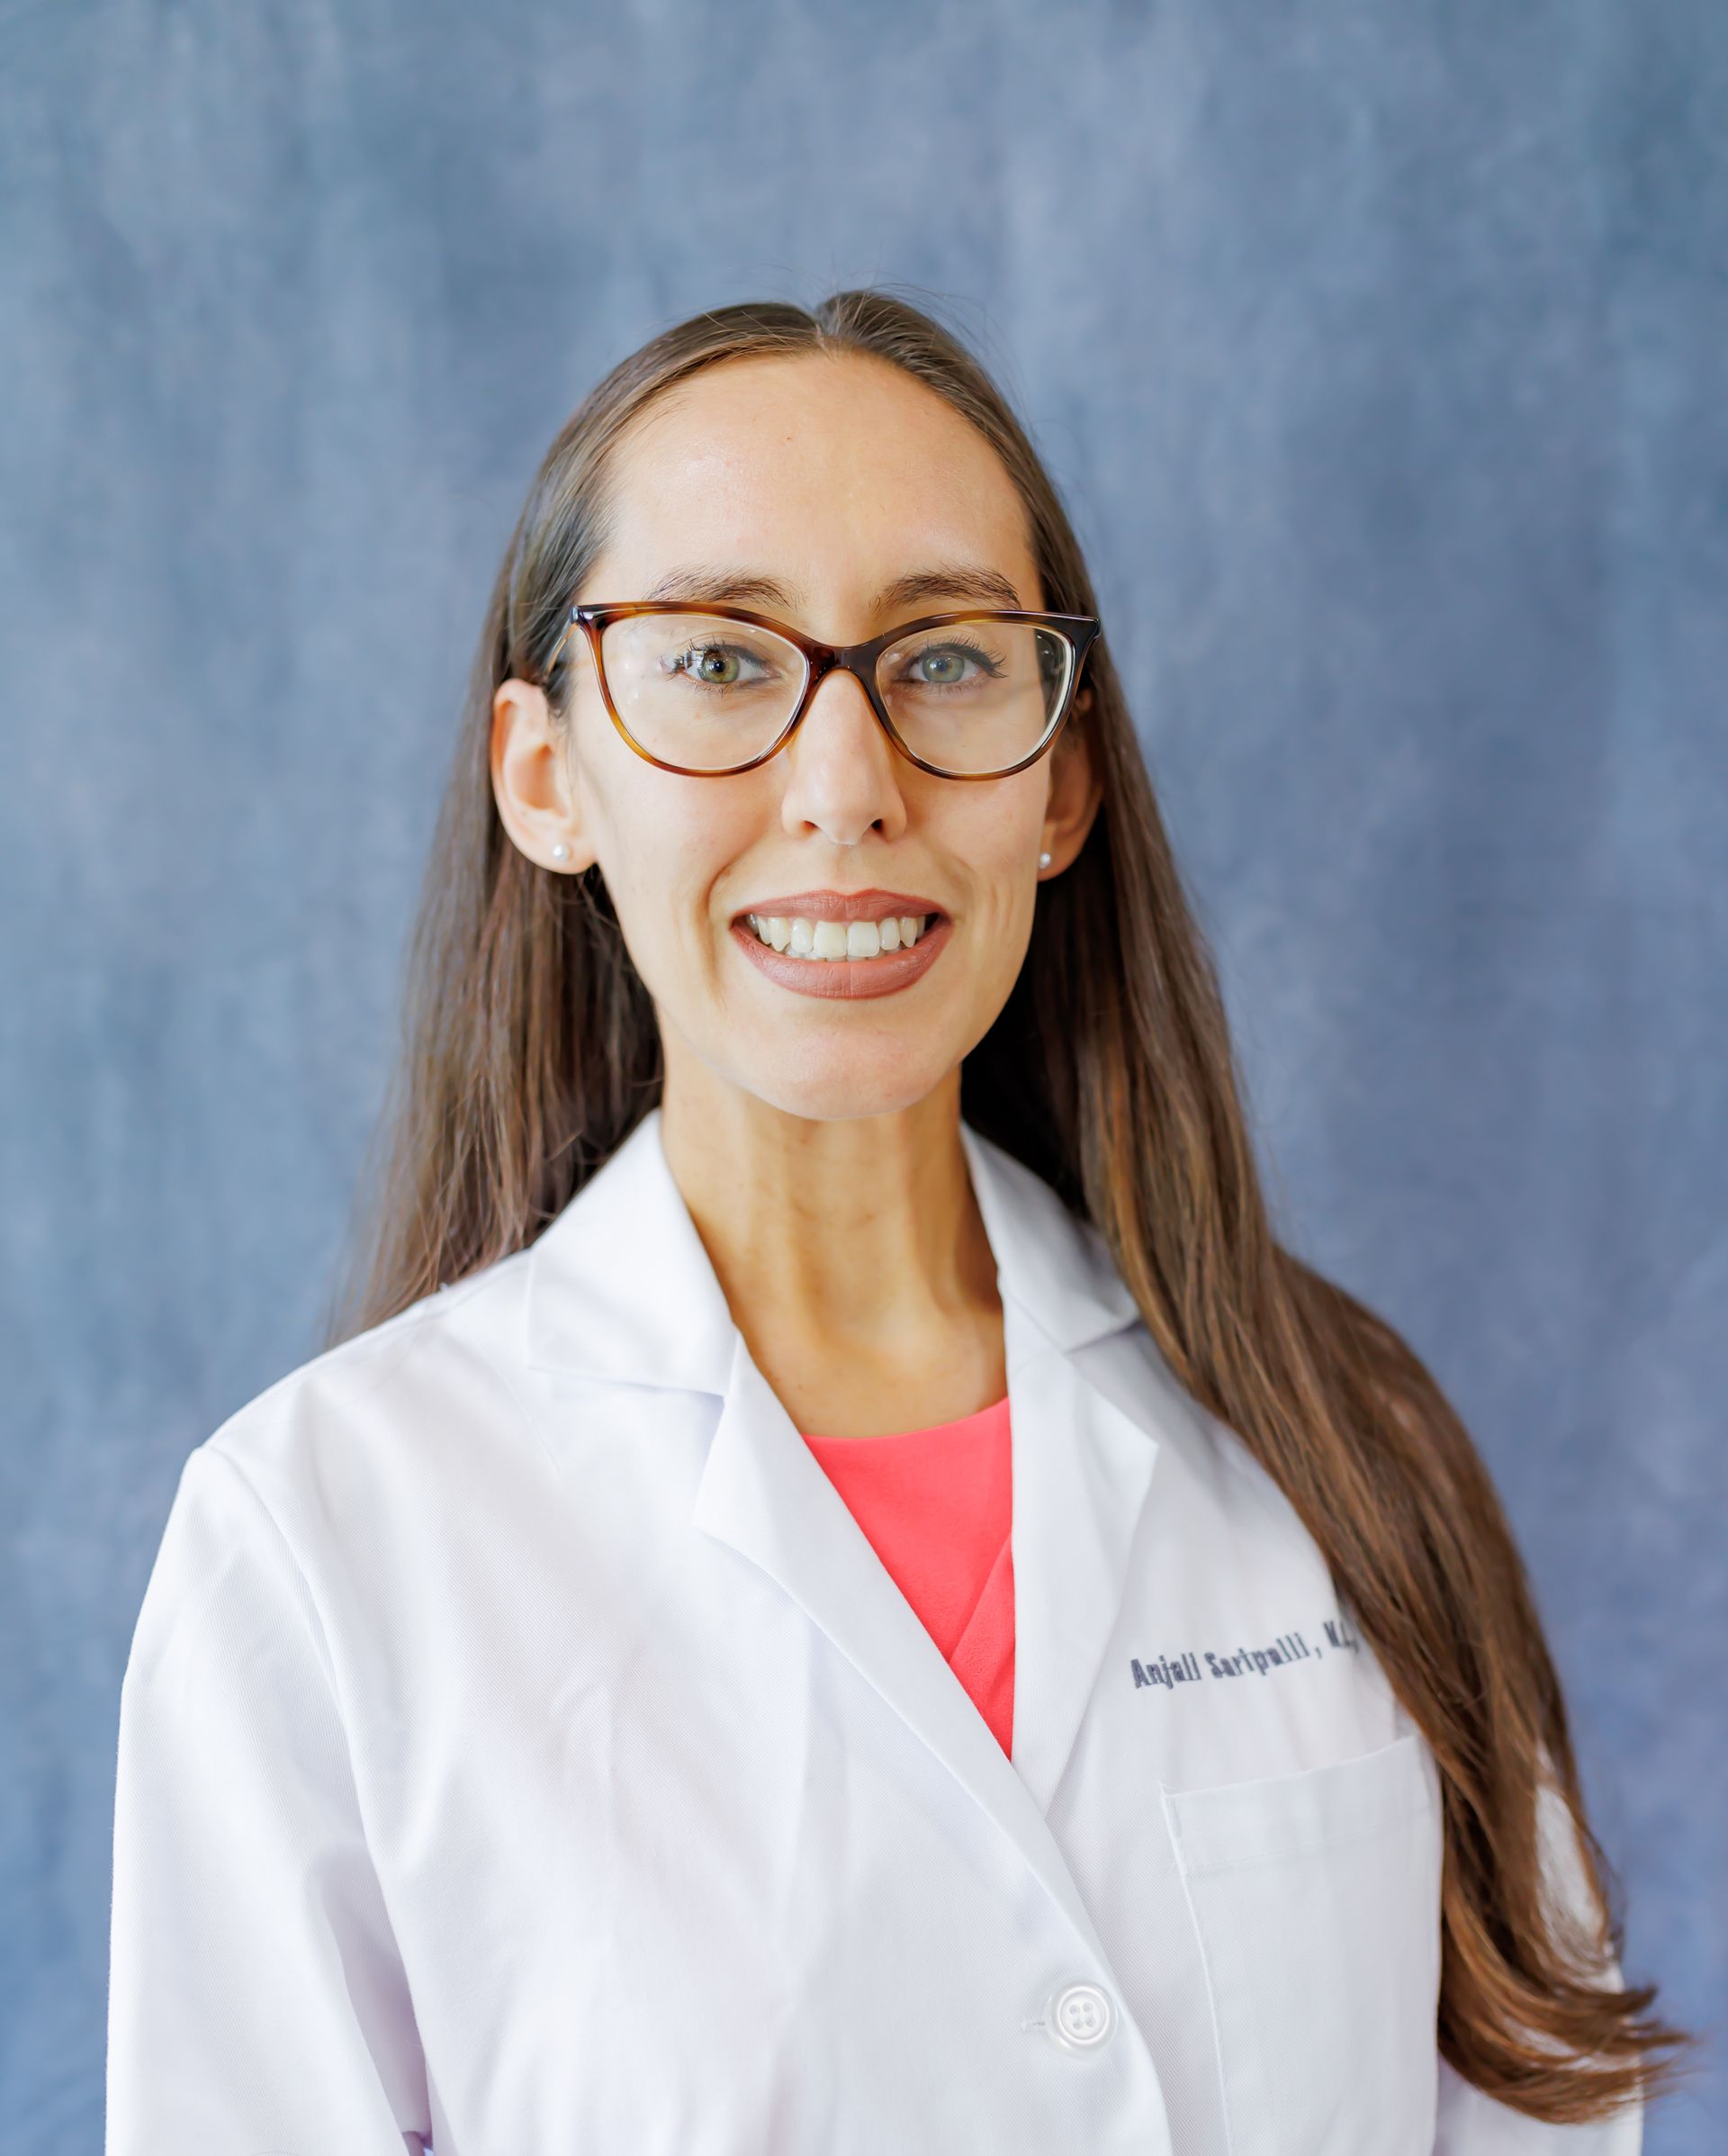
{"x": 560, "y": 851}
{"x": 1043, "y": 861}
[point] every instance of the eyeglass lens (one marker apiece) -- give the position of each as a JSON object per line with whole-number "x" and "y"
{"x": 710, "y": 693}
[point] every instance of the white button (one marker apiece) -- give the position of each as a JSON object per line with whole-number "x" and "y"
{"x": 1080, "y": 2018}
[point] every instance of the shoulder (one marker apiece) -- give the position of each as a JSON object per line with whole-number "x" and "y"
{"x": 318, "y": 1509}
{"x": 404, "y": 1416}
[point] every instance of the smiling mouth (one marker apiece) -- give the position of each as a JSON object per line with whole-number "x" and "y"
{"x": 826, "y": 943}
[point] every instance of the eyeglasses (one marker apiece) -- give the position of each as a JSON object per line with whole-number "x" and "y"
{"x": 706, "y": 691}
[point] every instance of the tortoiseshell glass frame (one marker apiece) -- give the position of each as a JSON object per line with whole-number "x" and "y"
{"x": 821, "y": 659}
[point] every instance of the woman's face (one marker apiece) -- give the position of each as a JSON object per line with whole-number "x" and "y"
{"x": 831, "y": 479}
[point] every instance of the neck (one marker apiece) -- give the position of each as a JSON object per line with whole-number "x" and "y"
{"x": 851, "y": 1253}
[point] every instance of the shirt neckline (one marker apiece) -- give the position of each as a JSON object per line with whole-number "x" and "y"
{"x": 981, "y": 1420}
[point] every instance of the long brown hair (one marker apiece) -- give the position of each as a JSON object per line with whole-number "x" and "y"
{"x": 531, "y": 1053}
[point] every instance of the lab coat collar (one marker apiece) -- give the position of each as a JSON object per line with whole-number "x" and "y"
{"x": 621, "y": 1288}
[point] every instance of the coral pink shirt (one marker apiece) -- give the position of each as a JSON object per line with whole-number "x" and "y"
{"x": 936, "y": 1506}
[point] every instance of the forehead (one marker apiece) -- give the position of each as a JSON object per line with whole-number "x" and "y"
{"x": 830, "y": 473}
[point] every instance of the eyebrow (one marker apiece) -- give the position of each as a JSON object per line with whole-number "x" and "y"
{"x": 744, "y": 588}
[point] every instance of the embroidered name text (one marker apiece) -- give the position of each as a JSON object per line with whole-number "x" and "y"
{"x": 1288, "y": 1647}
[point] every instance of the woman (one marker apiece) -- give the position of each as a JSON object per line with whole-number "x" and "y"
{"x": 839, "y": 1591}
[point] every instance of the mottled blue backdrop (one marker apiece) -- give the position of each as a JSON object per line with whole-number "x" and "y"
{"x": 1380, "y": 353}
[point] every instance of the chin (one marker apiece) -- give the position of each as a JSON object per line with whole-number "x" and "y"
{"x": 842, "y": 1093}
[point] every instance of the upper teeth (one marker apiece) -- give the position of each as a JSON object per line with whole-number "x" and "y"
{"x": 837, "y": 939}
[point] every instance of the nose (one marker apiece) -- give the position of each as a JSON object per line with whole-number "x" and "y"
{"x": 841, "y": 771}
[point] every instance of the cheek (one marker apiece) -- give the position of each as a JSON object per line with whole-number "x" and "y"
{"x": 665, "y": 841}
{"x": 993, "y": 840}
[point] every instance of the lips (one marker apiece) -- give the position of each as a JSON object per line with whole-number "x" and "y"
{"x": 850, "y": 979}
{"x": 841, "y": 906}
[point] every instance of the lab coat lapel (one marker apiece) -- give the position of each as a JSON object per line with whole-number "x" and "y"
{"x": 1081, "y": 1464}
{"x": 1082, "y": 1470}
{"x": 764, "y": 1494}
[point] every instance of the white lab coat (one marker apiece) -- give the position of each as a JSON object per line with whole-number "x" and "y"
{"x": 523, "y": 1750}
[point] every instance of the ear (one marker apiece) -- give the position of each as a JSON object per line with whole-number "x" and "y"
{"x": 532, "y": 780}
{"x": 1076, "y": 789}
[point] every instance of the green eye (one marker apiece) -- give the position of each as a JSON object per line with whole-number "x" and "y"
{"x": 931, "y": 661}
{"x": 950, "y": 666}
{"x": 713, "y": 662}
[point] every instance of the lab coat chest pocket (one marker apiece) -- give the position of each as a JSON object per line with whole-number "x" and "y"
{"x": 1316, "y": 1897}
